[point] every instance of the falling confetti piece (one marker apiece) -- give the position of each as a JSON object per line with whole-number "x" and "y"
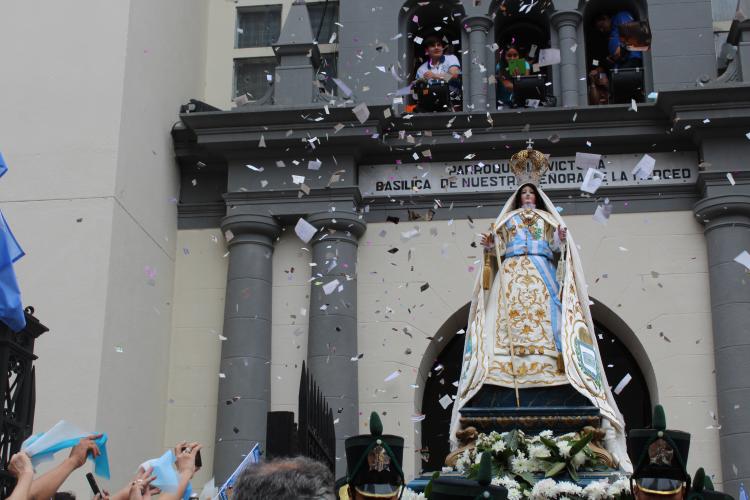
{"x": 445, "y": 401}
{"x": 621, "y": 385}
{"x": 744, "y": 259}
{"x": 329, "y": 287}
{"x": 119, "y": 349}
{"x": 418, "y": 418}
{"x": 304, "y": 230}
{"x": 392, "y": 376}
{"x": 254, "y": 168}
{"x": 730, "y": 178}
{"x": 361, "y": 112}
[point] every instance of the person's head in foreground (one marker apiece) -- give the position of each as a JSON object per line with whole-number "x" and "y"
{"x": 454, "y": 488}
{"x": 659, "y": 456}
{"x": 285, "y": 479}
{"x": 373, "y": 464}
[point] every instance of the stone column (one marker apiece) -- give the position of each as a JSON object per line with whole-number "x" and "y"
{"x": 478, "y": 27}
{"x": 245, "y": 374}
{"x": 332, "y": 339}
{"x": 727, "y": 229}
{"x": 566, "y": 22}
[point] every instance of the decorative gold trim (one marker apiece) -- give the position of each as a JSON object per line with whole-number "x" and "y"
{"x": 658, "y": 492}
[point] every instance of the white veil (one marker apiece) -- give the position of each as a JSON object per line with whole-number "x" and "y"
{"x": 612, "y": 422}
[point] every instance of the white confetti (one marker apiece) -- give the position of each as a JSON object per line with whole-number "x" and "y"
{"x": 361, "y": 112}
{"x": 587, "y": 160}
{"x": 625, "y": 381}
{"x": 305, "y": 230}
{"x": 445, "y": 401}
{"x": 548, "y": 57}
{"x": 410, "y": 234}
{"x": 730, "y": 178}
{"x": 254, "y": 168}
{"x": 314, "y": 164}
{"x": 644, "y": 168}
{"x": 329, "y": 287}
{"x": 298, "y": 179}
{"x": 744, "y": 259}
{"x": 392, "y": 376}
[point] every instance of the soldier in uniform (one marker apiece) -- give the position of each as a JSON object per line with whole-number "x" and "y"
{"x": 659, "y": 456}
{"x": 373, "y": 465}
{"x": 458, "y": 488}
{"x": 703, "y": 488}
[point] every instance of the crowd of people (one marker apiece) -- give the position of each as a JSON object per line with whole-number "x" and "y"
{"x": 374, "y": 470}
{"x": 47, "y": 485}
{"x": 438, "y": 79}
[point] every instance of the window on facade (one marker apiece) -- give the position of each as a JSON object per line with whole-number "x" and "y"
{"x": 323, "y": 18}
{"x": 258, "y": 26}
{"x": 251, "y": 76}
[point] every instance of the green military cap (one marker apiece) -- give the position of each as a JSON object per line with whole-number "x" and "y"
{"x": 703, "y": 488}
{"x": 659, "y": 456}
{"x": 374, "y": 462}
{"x": 453, "y": 488}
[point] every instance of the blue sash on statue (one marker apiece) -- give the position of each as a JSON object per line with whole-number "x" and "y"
{"x": 540, "y": 254}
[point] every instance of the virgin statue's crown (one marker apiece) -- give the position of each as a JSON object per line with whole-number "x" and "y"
{"x": 529, "y": 165}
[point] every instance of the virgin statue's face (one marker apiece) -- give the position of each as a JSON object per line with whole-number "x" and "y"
{"x": 528, "y": 197}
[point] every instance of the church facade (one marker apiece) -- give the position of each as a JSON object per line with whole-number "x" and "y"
{"x": 209, "y": 301}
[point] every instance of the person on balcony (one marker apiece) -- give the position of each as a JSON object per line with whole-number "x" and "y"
{"x": 439, "y": 70}
{"x": 618, "y": 55}
{"x": 510, "y": 65}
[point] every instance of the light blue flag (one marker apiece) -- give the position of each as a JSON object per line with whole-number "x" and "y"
{"x": 166, "y": 474}
{"x": 42, "y": 447}
{"x": 252, "y": 458}
{"x": 3, "y": 166}
{"x": 743, "y": 492}
{"x": 11, "y": 306}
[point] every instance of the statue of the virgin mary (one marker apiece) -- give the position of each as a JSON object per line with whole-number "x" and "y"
{"x": 529, "y": 324}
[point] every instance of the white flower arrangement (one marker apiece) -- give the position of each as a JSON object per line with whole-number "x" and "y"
{"x": 412, "y": 495}
{"x": 517, "y": 458}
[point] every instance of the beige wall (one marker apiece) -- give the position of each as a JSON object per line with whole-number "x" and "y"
{"x": 670, "y": 244}
{"x": 199, "y": 287}
{"x": 90, "y": 196}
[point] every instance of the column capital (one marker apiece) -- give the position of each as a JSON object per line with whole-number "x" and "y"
{"x": 716, "y": 211}
{"x": 566, "y": 18}
{"x": 251, "y": 228}
{"x": 348, "y": 225}
{"x": 475, "y": 23}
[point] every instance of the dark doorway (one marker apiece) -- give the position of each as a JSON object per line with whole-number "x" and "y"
{"x": 634, "y": 401}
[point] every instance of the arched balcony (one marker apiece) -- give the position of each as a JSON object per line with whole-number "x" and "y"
{"x": 421, "y": 23}
{"x": 596, "y": 53}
